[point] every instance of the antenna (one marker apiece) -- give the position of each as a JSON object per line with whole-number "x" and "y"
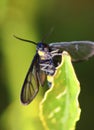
{"x": 25, "y": 40}
{"x": 48, "y": 34}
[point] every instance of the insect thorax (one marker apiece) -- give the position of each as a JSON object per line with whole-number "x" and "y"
{"x": 46, "y": 63}
{"x": 46, "y": 59}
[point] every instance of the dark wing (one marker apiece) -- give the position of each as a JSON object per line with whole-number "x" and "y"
{"x": 78, "y": 50}
{"x": 31, "y": 84}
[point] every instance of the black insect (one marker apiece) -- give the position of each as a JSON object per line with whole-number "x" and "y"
{"x": 45, "y": 61}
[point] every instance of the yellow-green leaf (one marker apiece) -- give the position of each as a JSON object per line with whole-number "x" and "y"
{"x": 59, "y": 110}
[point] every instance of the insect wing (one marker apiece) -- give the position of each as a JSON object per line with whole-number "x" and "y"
{"x": 42, "y": 77}
{"x": 31, "y": 84}
{"x": 78, "y": 50}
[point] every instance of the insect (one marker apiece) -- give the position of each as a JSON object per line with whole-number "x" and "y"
{"x": 45, "y": 61}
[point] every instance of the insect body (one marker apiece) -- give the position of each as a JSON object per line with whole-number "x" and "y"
{"x": 46, "y": 58}
{"x": 45, "y": 61}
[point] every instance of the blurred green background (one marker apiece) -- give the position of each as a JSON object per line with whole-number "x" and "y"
{"x": 32, "y": 19}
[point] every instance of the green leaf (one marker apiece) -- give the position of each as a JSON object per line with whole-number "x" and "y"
{"x": 59, "y": 110}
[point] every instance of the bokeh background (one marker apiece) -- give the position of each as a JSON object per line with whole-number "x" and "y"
{"x": 32, "y": 19}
